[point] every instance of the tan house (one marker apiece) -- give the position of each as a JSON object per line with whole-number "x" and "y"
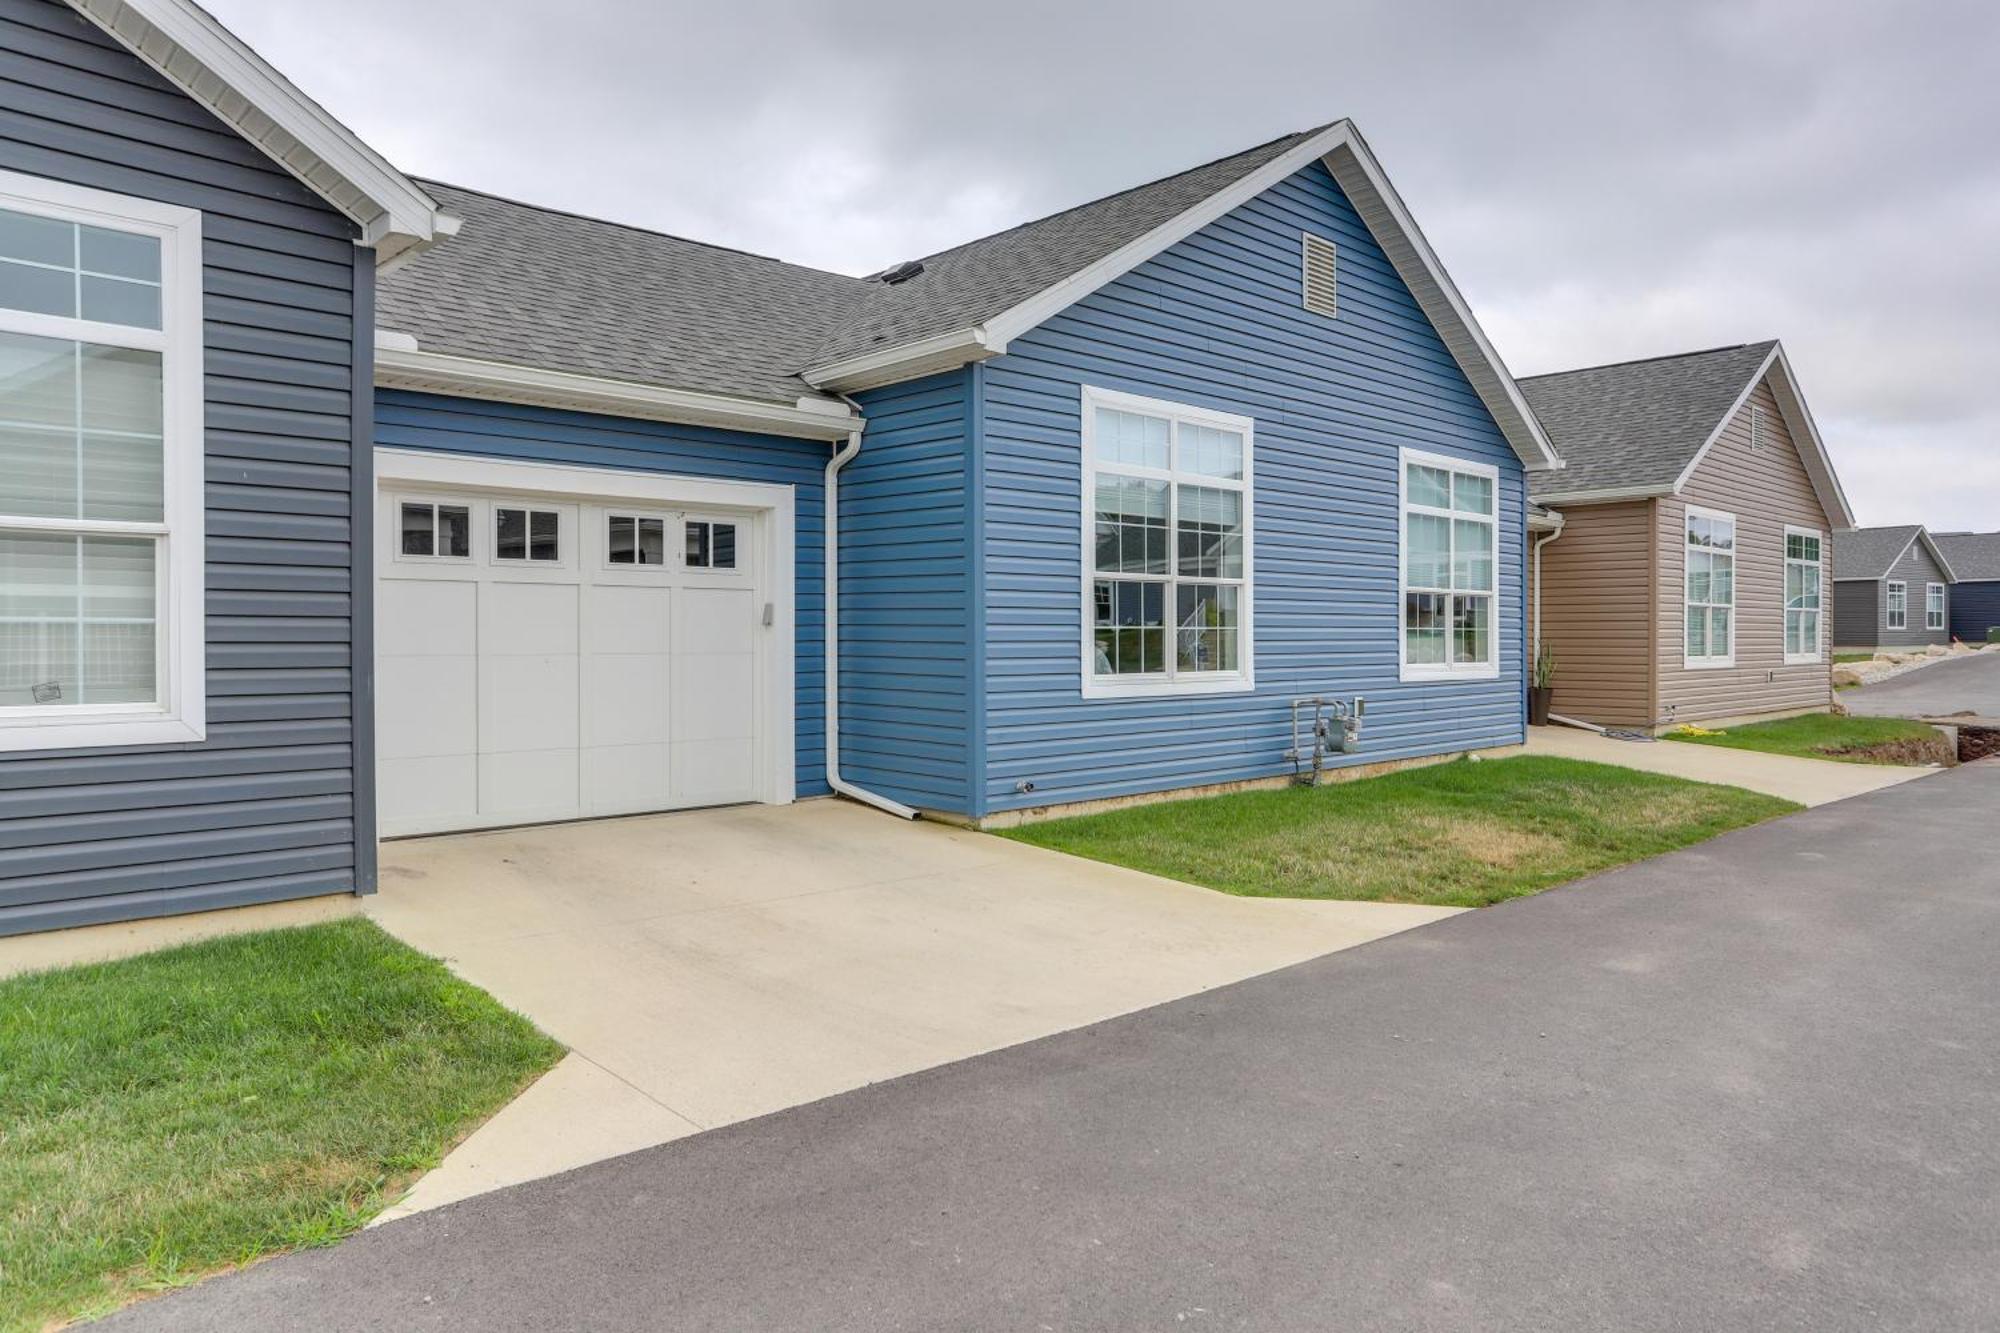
{"x": 1682, "y": 559}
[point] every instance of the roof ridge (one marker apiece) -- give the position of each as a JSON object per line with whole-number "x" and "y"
{"x": 1646, "y": 360}
{"x": 1297, "y": 136}
{"x": 628, "y": 226}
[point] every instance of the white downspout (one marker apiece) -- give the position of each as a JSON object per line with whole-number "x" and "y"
{"x": 1535, "y": 634}
{"x": 840, "y": 459}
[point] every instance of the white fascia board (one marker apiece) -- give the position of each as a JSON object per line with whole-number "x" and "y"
{"x": 400, "y": 366}
{"x": 1604, "y": 495}
{"x": 1367, "y": 187}
{"x": 1341, "y": 147}
{"x": 212, "y": 66}
{"x": 892, "y": 365}
{"x": 1799, "y": 423}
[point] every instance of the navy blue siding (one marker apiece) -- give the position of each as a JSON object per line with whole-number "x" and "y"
{"x": 906, "y": 672}
{"x": 264, "y": 808}
{"x": 405, "y": 420}
{"x": 1975, "y": 609}
{"x": 1216, "y": 321}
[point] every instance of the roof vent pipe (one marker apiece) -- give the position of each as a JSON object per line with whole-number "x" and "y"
{"x": 902, "y": 272}
{"x": 841, "y": 457}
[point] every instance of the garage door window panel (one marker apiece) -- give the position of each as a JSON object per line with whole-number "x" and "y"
{"x": 527, "y": 535}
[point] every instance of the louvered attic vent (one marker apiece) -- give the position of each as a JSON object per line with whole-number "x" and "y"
{"x": 1321, "y": 292}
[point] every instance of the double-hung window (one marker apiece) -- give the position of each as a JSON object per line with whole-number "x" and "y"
{"x": 1899, "y": 606}
{"x": 1448, "y": 567}
{"x": 1166, "y": 581}
{"x": 1933, "y": 606}
{"x": 1711, "y": 588}
{"x": 100, "y": 468}
{"x": 1803, "y": 575}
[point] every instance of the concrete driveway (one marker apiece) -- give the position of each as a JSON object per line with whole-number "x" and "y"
{"x": 1748, "y": 1085}
{"x": 711, "y": 966}
{"x": 1959, "y": 685}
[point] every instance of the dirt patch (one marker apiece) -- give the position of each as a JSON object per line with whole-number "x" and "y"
{"x": 1487, "y": 841}
{"x": 1913, "y": 751}
{"x": 1978, "y": 743}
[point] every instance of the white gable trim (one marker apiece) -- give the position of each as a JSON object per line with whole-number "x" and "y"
{"x": 400, "y": 365}
{"x": 1805, "y": 437}
{"x": 1348, "y": 157}
{"x": 207, "y": 62}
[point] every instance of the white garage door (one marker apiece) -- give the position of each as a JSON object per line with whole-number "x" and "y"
{"x": 543, "y": 657}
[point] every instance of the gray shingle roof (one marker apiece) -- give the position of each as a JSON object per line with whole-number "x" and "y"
{"x": 1869, "y": 553}
{"x": 1972, "y": 555}
{"x": 535, "y": 287}
{"x": 974, "y": 282}
{"x": 1637, "y": 423}
{"x": 538, "y": 287}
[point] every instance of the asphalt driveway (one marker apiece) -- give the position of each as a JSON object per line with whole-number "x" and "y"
{"x": 1962, "y": 685}
{"x": 1755, "y": 1084}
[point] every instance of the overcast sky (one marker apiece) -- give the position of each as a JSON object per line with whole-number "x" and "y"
{"x": 1603, "y": 181}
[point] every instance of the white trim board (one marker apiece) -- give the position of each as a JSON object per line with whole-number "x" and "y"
{"x": 211, "y": 65}
{"x": 1354, "y": 167}
{"x": 400, "y": 365}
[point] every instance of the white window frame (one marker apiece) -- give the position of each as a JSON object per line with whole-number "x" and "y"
{"x": 1712, "y": 662}
{"x": 567, "y": 519}
{"x": 1938, "y": 618}
{"x": 474, "y": 520}
{"x": 1170, "y": 681}
{"x": 179, "y": 712}
{"x": 1785, "y": 610}
{"x": 1896, "y": 604}
{"x": 669, "y": 527}
{"x": 1447, "y": 670}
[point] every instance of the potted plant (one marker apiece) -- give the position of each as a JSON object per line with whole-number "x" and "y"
{"x": 1542, "y": 688}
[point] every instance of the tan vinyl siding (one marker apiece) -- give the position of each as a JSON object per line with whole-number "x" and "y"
{"x": 1765, "y": 489}
{"x": 1597, "y": 612}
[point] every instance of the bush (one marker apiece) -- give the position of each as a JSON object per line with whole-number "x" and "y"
{"x": 1993, "y": 634}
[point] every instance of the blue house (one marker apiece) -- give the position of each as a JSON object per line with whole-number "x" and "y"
{"x": 632, "y": 522}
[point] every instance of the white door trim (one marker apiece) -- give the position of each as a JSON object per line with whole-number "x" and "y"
{"x": 775, "y": 504}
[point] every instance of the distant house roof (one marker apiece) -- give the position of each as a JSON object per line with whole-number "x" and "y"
{"x": 547, "y": 290}
{"x": 1974, "y": 556}
{"x": 1638, "y": 423}
{"x": 1870, "y": 553}
{"x": 1638, "y": 428}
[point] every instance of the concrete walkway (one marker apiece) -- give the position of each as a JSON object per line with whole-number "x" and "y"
{"x": 1807, "y": 781}
{"x": 1748, "y": 1085}
{"x": 712, "y": 966}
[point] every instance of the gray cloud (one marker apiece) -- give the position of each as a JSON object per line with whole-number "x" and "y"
{"x": 1604, "y": 180}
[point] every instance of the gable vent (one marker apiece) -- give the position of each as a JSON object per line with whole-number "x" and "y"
{"x": 1322, "y": 295}
{"x": 1756, "y": 428}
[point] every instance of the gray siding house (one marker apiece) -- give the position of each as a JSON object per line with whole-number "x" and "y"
{"x": 1892, "y": 589}
{"x": 184, "y": 382}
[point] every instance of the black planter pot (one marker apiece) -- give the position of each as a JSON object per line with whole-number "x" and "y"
{"x": 1539, "y": 699}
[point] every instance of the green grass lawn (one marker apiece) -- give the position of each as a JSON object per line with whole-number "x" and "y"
{"x": 168, "y": 1115}
{"x": 1461, "y": 834}
{"x": 1853, "y": 740}
{"x": 1842, "y": 659}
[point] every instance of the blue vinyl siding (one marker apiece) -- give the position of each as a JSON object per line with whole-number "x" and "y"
{"x": 265, "y": 808}
{"x": 1217, "y": 321}
{"x": 1975, "y": 608}
{"x": 405, "y": 420}
{"x": 907, "y": 681}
